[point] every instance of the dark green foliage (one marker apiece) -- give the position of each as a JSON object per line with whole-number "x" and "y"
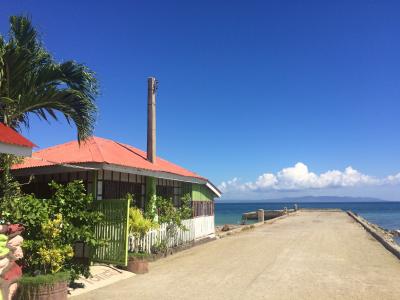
{"x": 8, "y": 187}
{"x": 186, "y": 208}
{"x": 172, "y": 216}
{"x": 78, "y": 223}
{"x": 79, "y": 219}
{"x": 26, "y": 210}
{"x": 159, "y": 247}
{"x": 74, "y": 204}
{"x": 169, "y": 214}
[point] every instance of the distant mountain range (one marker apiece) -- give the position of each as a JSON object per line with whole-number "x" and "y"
{"x": 309, "y": 199}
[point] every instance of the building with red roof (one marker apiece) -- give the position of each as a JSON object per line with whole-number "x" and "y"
{"x": 111, "y": 170}
{"x": 11, "y": 142}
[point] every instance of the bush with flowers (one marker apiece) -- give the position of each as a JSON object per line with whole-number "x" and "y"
{"x": 52, "y": 226}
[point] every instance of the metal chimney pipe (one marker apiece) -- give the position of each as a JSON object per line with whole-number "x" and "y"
{"x": 151, "y": 119}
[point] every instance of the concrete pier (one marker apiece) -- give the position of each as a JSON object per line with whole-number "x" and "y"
{"x": 268, "y": 214}
{"x": 303, "y": 255}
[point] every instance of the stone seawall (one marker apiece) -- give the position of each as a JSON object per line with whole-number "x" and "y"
{"x": 384, "y": 237}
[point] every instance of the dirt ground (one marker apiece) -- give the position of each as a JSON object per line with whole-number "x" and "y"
{"x": 308, "y": 255}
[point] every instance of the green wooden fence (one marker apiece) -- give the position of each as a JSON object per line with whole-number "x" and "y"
{"x": 114, "y": 230}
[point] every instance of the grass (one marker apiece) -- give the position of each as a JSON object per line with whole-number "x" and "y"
{"x": 44, "y": 279}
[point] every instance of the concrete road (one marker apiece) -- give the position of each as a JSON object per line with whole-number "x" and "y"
{"x": 308, "y": 255}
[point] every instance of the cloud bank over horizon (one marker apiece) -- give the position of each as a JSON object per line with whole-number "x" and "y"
{"x": 299, "y": 180}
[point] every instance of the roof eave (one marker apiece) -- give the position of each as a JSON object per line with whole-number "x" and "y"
{"x": 105, "y": 166}
{"x": 214, "y": 189}
{"x": 158, "y": 174}
{"x": 117, "y": 168}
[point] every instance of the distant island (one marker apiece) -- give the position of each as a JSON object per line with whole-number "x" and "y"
{"x": 308, "y": 199}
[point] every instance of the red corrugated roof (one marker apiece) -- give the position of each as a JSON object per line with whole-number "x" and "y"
{"x": 10, "y": 136}
{"x": 99, "y": 150}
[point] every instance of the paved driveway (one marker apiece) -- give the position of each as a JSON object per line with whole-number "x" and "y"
{"x": 308, "y": 255}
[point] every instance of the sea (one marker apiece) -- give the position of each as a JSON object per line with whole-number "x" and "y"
{"x": 385, "y": 214}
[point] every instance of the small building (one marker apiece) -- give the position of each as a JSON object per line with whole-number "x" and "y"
{"x": 11, "y": 142}
{"x": 110, "y": 169}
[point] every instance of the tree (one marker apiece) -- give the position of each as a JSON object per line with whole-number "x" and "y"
{"x": 33, "y": 83}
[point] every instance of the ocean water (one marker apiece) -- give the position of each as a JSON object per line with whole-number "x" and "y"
{"x": 384, "y": 214}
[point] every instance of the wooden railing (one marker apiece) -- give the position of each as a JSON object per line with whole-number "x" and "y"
{"x": 203, "y": 208}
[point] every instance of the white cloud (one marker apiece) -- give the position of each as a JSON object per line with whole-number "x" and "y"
{"x": 299, "y": 178}
{"x": 393, "y": 179}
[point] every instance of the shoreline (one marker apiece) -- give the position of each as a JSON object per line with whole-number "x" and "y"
{"x": 384, "y": 214}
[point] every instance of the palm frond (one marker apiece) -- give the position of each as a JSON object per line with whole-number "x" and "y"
{"x": 33, "y": 83}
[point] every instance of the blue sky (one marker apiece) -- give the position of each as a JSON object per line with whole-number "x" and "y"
{"x": 246, "y": 87}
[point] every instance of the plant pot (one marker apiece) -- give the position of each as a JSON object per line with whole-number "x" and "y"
{"x": 138, "y": 265}
{"x": 53, "y": 291}
{"x": 47, "y": 287}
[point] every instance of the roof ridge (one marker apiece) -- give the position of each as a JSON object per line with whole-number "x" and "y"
{"x": 127, "y": 147}
{"x": 95, "y": 138}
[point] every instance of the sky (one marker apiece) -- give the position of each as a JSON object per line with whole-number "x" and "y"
{"x": 267, "y": 99}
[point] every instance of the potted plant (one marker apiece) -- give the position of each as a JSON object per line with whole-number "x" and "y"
{"x": 138, "y": 227}
{"x": 43, "y": 287}
{"x": 138, "y": 262}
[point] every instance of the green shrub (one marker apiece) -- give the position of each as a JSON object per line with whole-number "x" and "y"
{"x": 26, "y": 210}
{"x": 160, "y": 246}
{"x": 185, "y": 208}
{"x": 138, "y": 224}
{"x": 48, "y": 254}
{"x": 52, "y": 226}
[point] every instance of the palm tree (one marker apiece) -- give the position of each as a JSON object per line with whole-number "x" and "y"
{"x": 33, "y": 83}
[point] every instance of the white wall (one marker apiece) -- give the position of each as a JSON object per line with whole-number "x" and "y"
{"x": 16, "y": 150}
